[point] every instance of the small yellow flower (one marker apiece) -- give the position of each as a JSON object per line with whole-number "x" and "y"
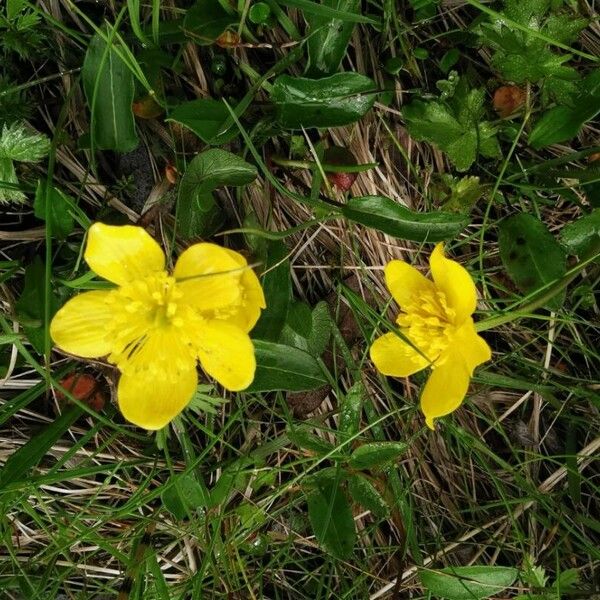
{"x": 155, "y": 326}
{"x": 436, "y": 321}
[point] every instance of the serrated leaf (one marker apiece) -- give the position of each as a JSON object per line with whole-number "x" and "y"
{"x": 206, "y": 117}
{"x": 328, "y": 38}
{"x": 333, "y": 101}
{"x": 206, "y": 20}
{"x": 455, "y": 125}
{"x": 394, "y": 219}
{"x": 468, "y": 583}
{"x": 184, "y": 496}
{"x": 21, "y": 144}
{"x": 331, "y": 518}
{"x": 364, "y": 493}
{"x": 582, "y": 236}
{"x": 61, "y": 220}
{"x": 109, "y": 89}
{"x": 376, "y": 454}
{"x": 531, "y": 255}
{"x": 285, "y": 368}
{"x": 197, "y": 211}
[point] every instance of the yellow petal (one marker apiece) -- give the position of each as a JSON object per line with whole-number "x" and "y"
{"x": 445, "y": 389}
{"x": 404, "y": 281}
{"x": 151, "y": 399}
{"x": 80, "y": 326}
{"x": 455, "y": 282}
{"x": 393, "y": 356}
{"x": 122, "y": 253}
{"x": 471, "y": 346}
{"x": 158, "y": 378}
{"x": 252, "y": 302}
{"x": 226, "y": 353}
{"x": 208, "y": 276}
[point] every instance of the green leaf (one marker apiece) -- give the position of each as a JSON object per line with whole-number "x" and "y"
{"x": 22, "y": 144}
{"x": 376, "y": 454}
{"x": 582, "y": 236}
{"x": 109, "y": 88}
{"x": 468, "y": 583}
{"x": 351, "y": 411}
{"x": 285, "y": 368}
{"x": 206, "y": 20}
{"x": 184, "y": 496}
{"x": 455, "y": 125}
{"x": 307, "y": 330}
{"x": 277, "y": 287}
{"x": 531, "y": 255}
{"x": 206, "y": 117}
{"x": 331, "y": 519}
{"x": 329, "y": 37}
{"x": 61, "y": 220}
{"x": 364, "y": 493}
{"x": 234, "y": 477}
{"x": 394, "y": 219}
{"x": 314, "y": 8}
{"x": 197, "y": 211}
{"x": 20, "y": 462}
{"x": 302, "y": 437}
{"x": 563, "y": 123}
{"x": 330, "y": 102}
{"x": 30, "y": 305}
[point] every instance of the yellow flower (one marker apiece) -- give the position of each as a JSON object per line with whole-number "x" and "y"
{"x": 155, "y": 326}
{"x": 438, "y": 330}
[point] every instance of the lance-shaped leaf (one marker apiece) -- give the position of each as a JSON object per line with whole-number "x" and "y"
{"x": 109, "y": 88}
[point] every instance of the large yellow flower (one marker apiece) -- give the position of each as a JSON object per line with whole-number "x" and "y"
{"x": 438, "y": 331}
{"x": 155, "y": 326}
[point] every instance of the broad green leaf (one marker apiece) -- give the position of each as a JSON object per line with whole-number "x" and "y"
{"x": 206, "y": 20}
{"x": 328, "y": 38}
{"x": 19, "y": 463}
{"x": 330, "y": 102}
{"x": 109, "y": 89}
{"x": 351, "y": 412}
{"x": 396, "y": 220}
{"x": 323, "y": 10}
{"x": 234, "y": 477}
{"x": 376, "y": 454}
{"x": 302, "y": 437}
{"x": 277, "y": 287}
{"x": 563, "y": 123}
{"x": 61, "y": 221}
{"x": 30, "y": 305}
{"x": 582, "y": 236}
{"x": 364, "y": 493}
{"x": 331, "y": 518}
{"x": 308, "y": 330}
{"x": 206, "y": 118}
{"x": 197, "y": 211}
{"x": 531, "y": 255}
{"x": 468, "y": 583}
{"x": 23, "y": 144}
{"x": 285, "y": 368}
{"x": 455, "y": 124}
{"x": 184, "y": 496}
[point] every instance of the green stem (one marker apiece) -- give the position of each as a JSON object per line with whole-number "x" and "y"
{"x": 541, "y": 297}
{"x": 328, "y": 168}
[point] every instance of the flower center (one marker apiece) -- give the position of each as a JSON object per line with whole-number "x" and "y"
{"x": 428, "y": 322}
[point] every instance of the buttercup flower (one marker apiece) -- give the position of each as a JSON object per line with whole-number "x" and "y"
{"x": 438, "y": 330}
{"x": 154, "y": 326}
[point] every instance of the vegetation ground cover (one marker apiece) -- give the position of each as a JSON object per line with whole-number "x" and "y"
{"x": 320, "y": 140}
